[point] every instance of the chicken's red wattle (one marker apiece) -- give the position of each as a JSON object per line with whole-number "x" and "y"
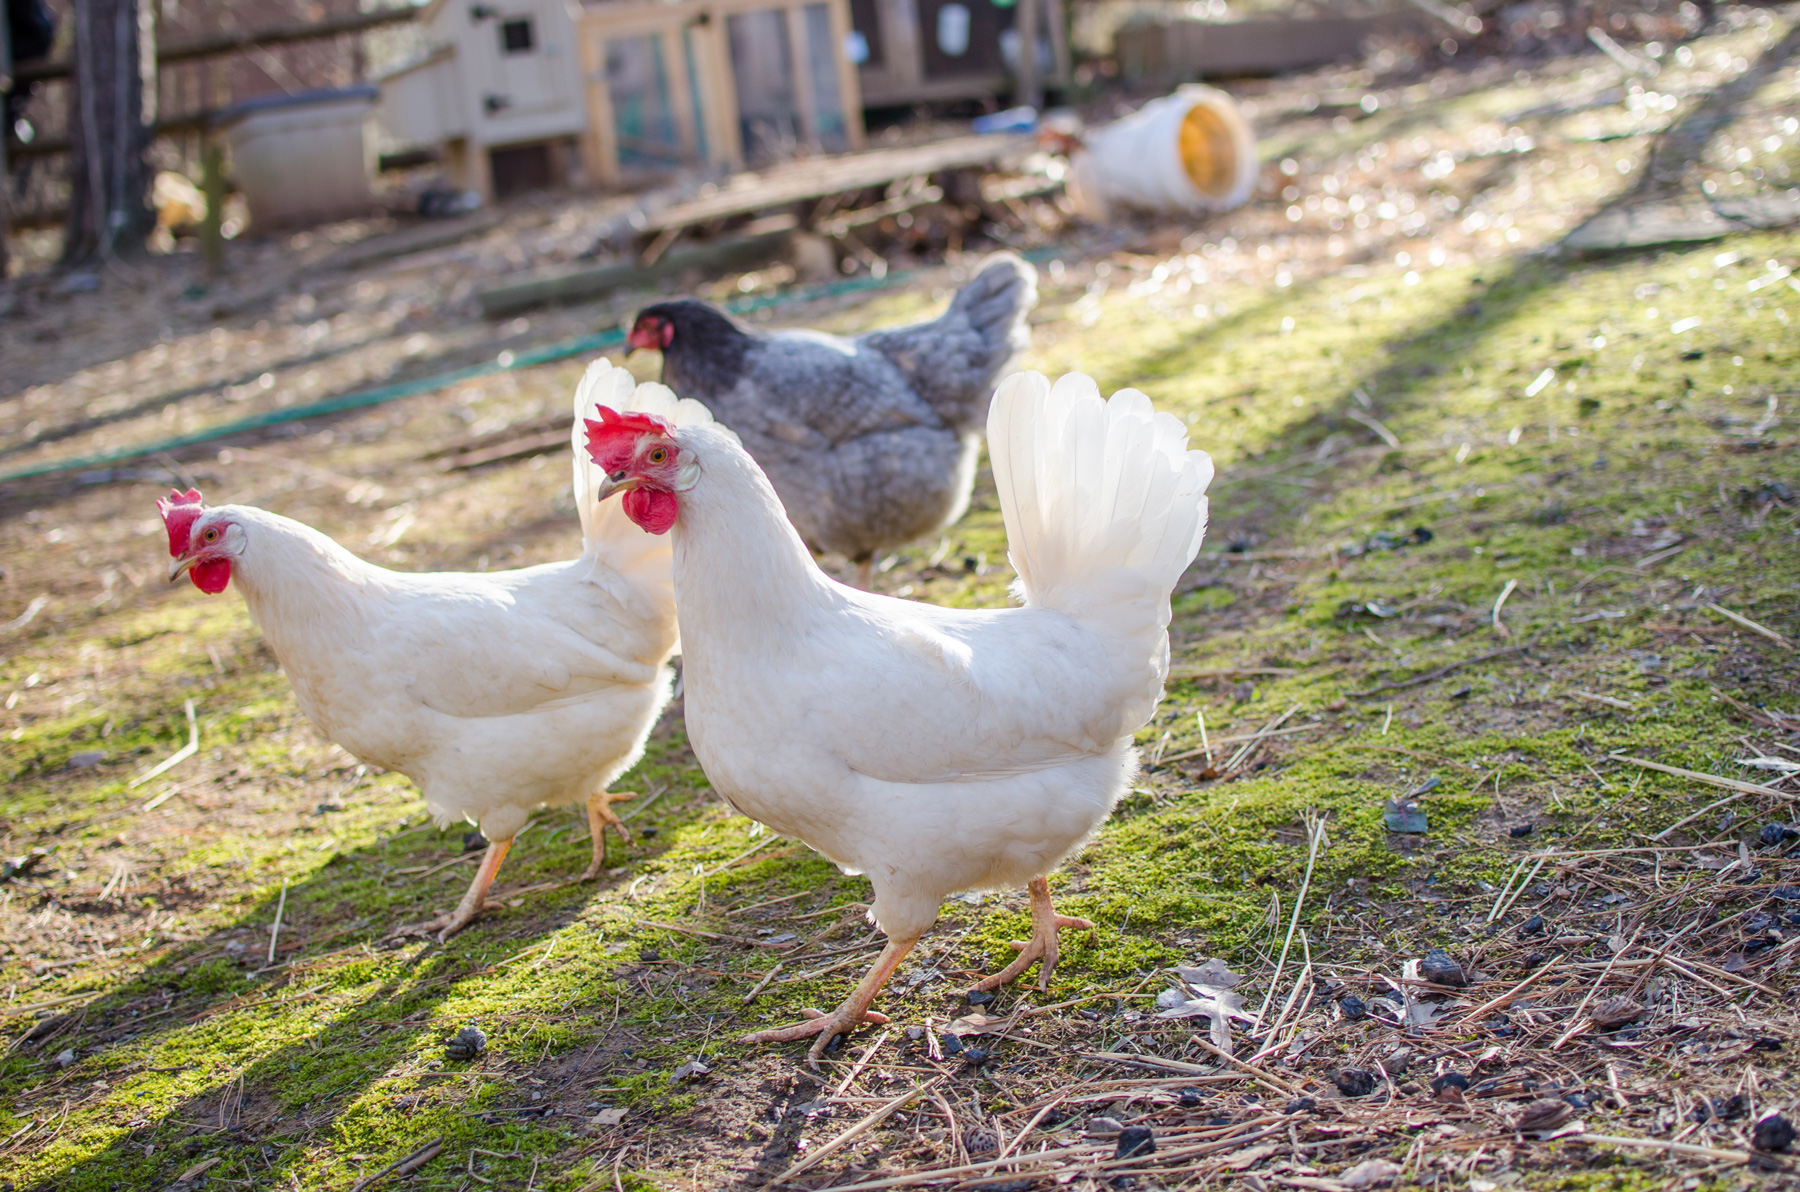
{"x": 652, "y": 509}
{"x": 211, "y": 575}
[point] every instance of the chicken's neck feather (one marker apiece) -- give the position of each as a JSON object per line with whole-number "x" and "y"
{"x": 298, "y": 583}
{"x": 706, "y": 356}
{"x": 739, "y": 564}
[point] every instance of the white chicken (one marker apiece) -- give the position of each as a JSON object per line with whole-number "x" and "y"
{"x": 498, "y": 692}
{"x": 933, "y": 749}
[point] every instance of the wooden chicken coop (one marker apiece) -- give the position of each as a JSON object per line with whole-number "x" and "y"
{"x": 735, "y": 82}
{"x": 922, "y": 51}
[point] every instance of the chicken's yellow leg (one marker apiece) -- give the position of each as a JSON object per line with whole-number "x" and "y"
{"x": 1042, "y": 944}
{"x": 600, "y": 814}
{"x": 848, "y": 1016}
{"x": 473, "y": 902}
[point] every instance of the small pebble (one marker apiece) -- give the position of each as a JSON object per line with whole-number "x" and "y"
{"x": 978, "y": 997}
{"x": 650, "y": 954}
{"x": 1134, "y": 1141}
{"x": 1518, "y": 830}
{"x": 952, "y": 1044}
{"x": 1440, "y": 969}
{"x": 647, "y": 833}
{"x": 976, "y": 1056}
{"x": 474, "y": 842}
{"x": 1532, "y": 926}
{"x": 915, "y": 1033}
{"x": 1449, "y": 1080}
{"x": 1301, "y": 1105}
{"x": 1189, "y": 1097}
{"x": 1354, "y": 1008}
{"x": 65, "y": 1057}
{"x": 1354, "y": 1082}
{"x": 1773, "y": 1133}
{"x": 1104, "y": 1127}
{"x": 1771, "y": 834}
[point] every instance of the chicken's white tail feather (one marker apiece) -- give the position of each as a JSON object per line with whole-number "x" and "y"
{"x": 605, "y": 530}
{"x": 1105, "y": 506}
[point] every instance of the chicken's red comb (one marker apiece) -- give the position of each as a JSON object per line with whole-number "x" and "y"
{"x": 612, "y": 438}
{"x": 180, "y": 510}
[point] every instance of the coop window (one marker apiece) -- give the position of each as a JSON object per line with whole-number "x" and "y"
{"x": 515, "y": 36}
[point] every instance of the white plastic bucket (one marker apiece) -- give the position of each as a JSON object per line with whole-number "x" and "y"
{"x": 1189, "y": 152}
{"x": 303, "y": 159}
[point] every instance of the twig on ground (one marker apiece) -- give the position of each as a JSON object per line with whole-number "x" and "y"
{"x": 275, "y": 927}
{"x": 1441, "y": 671}
{"x": 176, "y": 758}
{"x": 404, "y": 1166}
{"x": 1499, "y": 603}
{"x": 1312, "y": 855}
{"x": 1730, "y": 784}
{"x": 1747, "y": 623}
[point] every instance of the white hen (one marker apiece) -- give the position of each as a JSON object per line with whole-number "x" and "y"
{"x": 933, "y": 749}
{"x": 497, "y": 692}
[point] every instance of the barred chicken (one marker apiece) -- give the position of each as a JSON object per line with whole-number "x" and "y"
{"x": 870, "y": 442}
{"x": 498, "y": 692}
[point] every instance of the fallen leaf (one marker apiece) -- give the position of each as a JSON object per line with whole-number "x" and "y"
{"x": 975, "y": 1024}
{"x": 1250, "y": 1156}
{"x": 1371, "y": 1173}
{"x": 196, "y": 1171}
{"x": 609, "y": 1117}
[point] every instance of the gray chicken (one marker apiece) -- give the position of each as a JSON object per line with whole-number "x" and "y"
{"x": 870, "y": 442}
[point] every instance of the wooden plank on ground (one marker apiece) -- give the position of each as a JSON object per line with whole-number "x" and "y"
{"x": 582, "y": 285}
{"x": 816, "y": 178}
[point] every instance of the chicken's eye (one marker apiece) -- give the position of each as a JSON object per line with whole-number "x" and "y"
{"x": 659, "y": 455}
{"x": 210, "y": 534}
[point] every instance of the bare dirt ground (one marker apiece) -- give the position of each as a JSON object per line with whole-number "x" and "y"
{"x": 1502, "y": 532}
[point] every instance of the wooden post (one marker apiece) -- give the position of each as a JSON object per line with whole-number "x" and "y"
{"x": 599, "y": 148}
{"x": 806, "y": 114}
{"x": 1062, "y": 69}
{"x": 1030, "y": 90}
{"x": 109, "y": 178}
{"x": 6, "y": 75}
{"x": 212, "y": 184}
{"x": 681, "y": 93}
{"x": 726, "y": 134}
{"x": 849, "y": 86}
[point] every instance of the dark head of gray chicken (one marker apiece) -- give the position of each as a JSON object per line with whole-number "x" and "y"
{"x": 870, "y": 441}
{"x": 703, "y": 347}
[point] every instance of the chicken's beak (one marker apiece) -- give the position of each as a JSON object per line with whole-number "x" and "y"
{"x": 182, "y": 566}
{"x": 618, "y": 482}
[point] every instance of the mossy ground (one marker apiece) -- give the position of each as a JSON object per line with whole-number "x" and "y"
{"x": 1646, "y": 480}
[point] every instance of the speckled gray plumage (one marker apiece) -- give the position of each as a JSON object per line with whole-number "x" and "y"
{"x": 870, "y": 442}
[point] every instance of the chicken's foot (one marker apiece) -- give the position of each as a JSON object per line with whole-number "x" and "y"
{"x": 846, "y": 1017}
{"x": 1042, "y": 945}
{"x": 600, "y": 814}
{"x": 473, "y": 902}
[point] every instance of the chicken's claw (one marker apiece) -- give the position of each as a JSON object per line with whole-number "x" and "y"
{"x": 473, "y": 902}
{"x": 1042, "y": 946}
{"x": 600, "y": 814}
{"x": 827, "y": 1027}
{"x": 445, "y": 924}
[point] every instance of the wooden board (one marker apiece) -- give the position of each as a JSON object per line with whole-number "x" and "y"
{"x": 818, "y": 177}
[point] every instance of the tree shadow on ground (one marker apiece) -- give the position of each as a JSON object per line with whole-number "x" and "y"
{"x": 370, "y": 1005}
